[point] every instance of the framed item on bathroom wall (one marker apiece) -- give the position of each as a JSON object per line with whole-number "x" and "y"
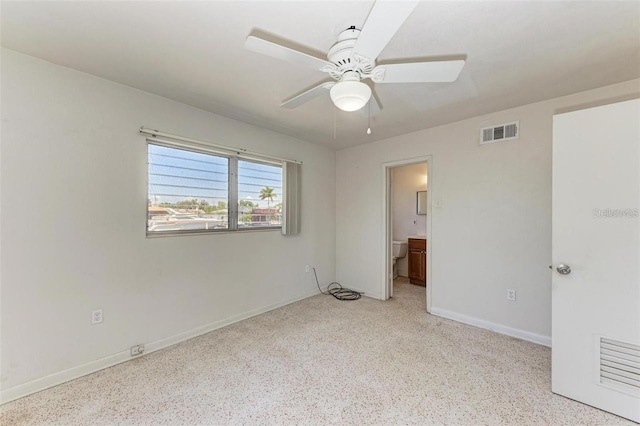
{"x": 421, "y": 202}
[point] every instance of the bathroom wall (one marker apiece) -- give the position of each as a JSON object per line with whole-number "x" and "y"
{"x": 407, "y": 180}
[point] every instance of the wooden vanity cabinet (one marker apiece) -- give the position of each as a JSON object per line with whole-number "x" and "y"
{"x": 417, "y": 253}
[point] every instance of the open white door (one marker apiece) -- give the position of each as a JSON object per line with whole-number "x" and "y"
{"x": 596, "y": 255}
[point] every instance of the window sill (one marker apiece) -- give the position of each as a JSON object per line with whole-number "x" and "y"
{"x": 153, "y": 235}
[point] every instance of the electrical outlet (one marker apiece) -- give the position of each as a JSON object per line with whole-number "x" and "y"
{"x": 306, "y": 268}
{"x": 137, "y": 350}
{"x": 511, "y": 294}
{"x": 96, "y": 316}
{"x": 437, "y": 203}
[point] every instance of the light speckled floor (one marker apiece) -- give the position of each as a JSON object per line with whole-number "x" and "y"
{"x": 322, "y": 361}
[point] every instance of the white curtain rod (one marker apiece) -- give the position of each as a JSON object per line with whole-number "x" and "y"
{"x": 241, "y": 151}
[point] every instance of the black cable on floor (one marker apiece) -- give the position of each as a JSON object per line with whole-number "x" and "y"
{"x": 336, "y": 290}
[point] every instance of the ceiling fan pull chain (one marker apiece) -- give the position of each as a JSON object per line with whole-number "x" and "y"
{"x": 369, "y": 128}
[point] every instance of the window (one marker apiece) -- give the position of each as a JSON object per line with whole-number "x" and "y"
{"x": 259, "y": 195}
{"x": 195, "y": 191}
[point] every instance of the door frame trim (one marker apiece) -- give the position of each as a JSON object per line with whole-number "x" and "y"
{"x": 387, "y": 224}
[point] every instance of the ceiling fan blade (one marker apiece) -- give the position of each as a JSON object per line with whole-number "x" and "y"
{"x": 299, "y": 99}
{"x": 384, "y": 20}
{"x": 278, "y": 51}
{"x": 418, "y": 72}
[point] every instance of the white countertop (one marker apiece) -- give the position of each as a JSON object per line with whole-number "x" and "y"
{"x": 418, "y": 237}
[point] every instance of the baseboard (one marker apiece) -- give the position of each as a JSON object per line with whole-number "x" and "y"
{"x": 37, "y": 385}
{"x": 372, "y": 295}
{"x": 498, "y": 328}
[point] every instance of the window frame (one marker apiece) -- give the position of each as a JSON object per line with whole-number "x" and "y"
{"x": 232, "y": 191}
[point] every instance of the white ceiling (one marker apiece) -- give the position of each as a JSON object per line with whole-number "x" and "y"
{"x": 192, "y": 52}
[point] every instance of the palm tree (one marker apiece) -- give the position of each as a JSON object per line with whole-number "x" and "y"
{"x": 267, "y": 193}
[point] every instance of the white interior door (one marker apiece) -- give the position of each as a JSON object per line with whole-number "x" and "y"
{"x": 596, "y": 232}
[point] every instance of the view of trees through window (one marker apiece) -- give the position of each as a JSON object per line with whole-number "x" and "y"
{"x": 190, "y": 191}
{"x": 259, "y": 194}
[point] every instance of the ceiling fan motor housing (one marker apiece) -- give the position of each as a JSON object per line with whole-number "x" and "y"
{"x": 341, "y": 55}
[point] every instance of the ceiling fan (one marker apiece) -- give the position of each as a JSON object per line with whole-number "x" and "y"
{"x": 352, "y": 59}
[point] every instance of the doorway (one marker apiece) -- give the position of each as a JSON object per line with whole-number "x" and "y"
{"x": 407, "y": 219}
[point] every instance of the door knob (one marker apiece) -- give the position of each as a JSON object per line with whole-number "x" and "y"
{"x": 563, "y": 269}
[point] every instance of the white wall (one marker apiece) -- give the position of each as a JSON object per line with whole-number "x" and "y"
{"x": 407, "y": 180}
{"x": 494, "y": 229}
{"x": 73, "y": 227}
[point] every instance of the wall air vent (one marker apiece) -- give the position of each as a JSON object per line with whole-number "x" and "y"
{"x": 619, "y": 364}
{"x": 503, "y": 132}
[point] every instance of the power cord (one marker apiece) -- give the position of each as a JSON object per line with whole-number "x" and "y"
{"x": 336, "y": 290}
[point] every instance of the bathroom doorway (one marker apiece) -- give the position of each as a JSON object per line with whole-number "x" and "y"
{"x": 407, "y": 219}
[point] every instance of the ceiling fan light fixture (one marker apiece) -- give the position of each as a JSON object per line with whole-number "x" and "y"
{"x": 350, "y": 95}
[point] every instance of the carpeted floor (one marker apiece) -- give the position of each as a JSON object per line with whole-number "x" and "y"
{"x": 322, "y": 361}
